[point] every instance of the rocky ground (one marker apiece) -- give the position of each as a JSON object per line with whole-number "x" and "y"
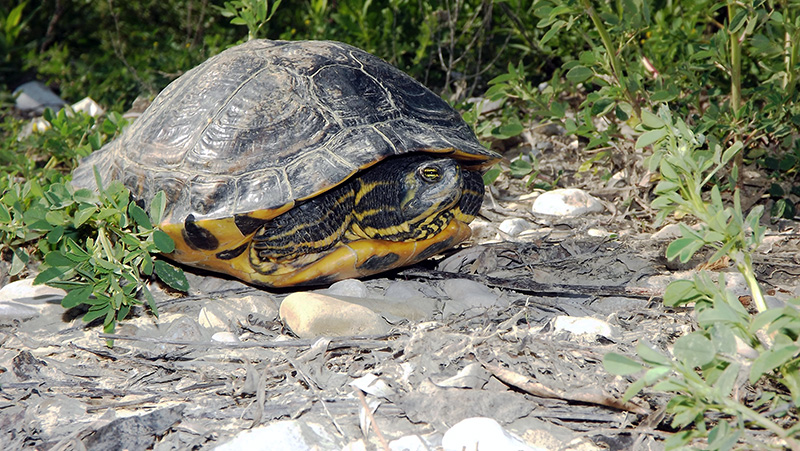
{"x": 497, "y": 345}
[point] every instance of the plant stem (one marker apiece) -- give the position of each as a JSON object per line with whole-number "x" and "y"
{"x": 612, "y": 57}
{"x": 760, "y": 420}
{"x": 101, "y": 236}
{"x": 791, "y": 52}
{"x": 736, "y": 63}
{"x": 736, "y": 80}
{"x": 745, "y": 266}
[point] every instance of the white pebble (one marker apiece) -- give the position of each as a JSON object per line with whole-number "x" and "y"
{"x": 566, "y": 202}
{"x": 410, "y": 443}
{"x": 225, "y": 337}
{"x": 281, "y": 435}
{"x": 582, "y": 326}
{"x": 484, "y": 434}
{"x": 514, "y": 226}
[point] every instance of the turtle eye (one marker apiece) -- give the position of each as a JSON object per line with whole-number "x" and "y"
{"x": 430, "y": 174}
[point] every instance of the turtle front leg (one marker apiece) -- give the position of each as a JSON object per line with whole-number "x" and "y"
{"x": 300, "y": 235}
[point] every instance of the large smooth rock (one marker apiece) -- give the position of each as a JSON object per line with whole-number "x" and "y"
{"x": 311, "y": 315}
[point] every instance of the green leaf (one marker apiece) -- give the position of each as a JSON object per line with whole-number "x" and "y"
{"x": 694, "y": 350}
{"x": 683, "y": 248}
{"x": 123, "y": 312}
{"x": 771, "y": 359}
{"x": 55, "y": 235}
{"x": 579, "y": 74}
{"x": 58, "y": 259}
{"x": 731, "y": 151}
{"x": 509, "y": 130}
{"x": 163, "y": 242}
{"x": 55, "y": 217}
{"x": 139, "y": 216}
{"x": 726, "y": 380}
{"x": 147, "y": 264}
{"x": 621, "y": 114}
{"x": 18, "y": 261}
{"x": 157, "y": 207}
{"x": 723, "y": 337}
{"x": 620, "y": 365}
{"x": 95, "y": 141}
{"x": 678, "y": 439}
{"x": 49, "y": 274}
{"x": 671, "y": 385}
{"x": 723, "y": 437}
{"x": 602, "y": 106}
{"x": 766, "y": 317}
{"x": 650, "y": 355}
{"x": 5, "y": 215}
{"x": 649, "y": 137}
{"x": 172, "y": 276}
{"x": 666, "y": 186}
{"x": 558, "y": 109}
{"x": 77, "y": 296}
{"x": 520, "y": 168}
{"x": 664, "y": 95}
{"x": 151, "y": 303}
{"x": 85, "y": 211}
{"x": 14, "y": 18}
{"x": 655, "y": 374}
{"x": 633, "y": 390}
{"x": 93, "y": 314}
{"x": 491, "y": 175}
{"x": 651, "y": 120}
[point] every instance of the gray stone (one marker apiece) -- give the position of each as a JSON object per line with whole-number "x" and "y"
{"x": 35, "y": 96}
{"x": 184, "y": 328}
{"x": 230, "y": 313}
{"x": 22, "y": 300}
{"x": 25, "y": 292}
{"x": 348, "y": 287}
{"x": 466, "y": 294}
{"x": 136, "y": 432}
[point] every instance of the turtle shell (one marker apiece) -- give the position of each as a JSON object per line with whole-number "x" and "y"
{"x": 268, "y": 123}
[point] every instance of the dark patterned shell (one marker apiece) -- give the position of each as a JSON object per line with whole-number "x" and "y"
{"x": 269, "y": 122}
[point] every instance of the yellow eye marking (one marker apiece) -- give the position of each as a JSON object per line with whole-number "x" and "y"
{"x": 431, "y": 174}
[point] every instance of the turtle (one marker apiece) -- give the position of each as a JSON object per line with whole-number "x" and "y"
{"x": 290, "y": 163}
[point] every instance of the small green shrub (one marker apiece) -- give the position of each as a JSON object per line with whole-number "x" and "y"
{"x": 707, "y": 367}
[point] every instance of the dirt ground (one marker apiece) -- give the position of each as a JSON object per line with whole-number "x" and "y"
{"x": 169, "y": 383}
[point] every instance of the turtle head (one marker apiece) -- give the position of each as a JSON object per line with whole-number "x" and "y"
{"x": 408, "y": 198}
{"x": 429, "y": 187}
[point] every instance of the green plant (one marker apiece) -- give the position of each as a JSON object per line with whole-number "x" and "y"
{"x": 30, "y": 165}
{"x": 708, "y": 366}
{"x": 12, "y": 23}
{"x": 254, "y": 14}
{"x": 687, "y": 170}
{"x": 98, "y": 247}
